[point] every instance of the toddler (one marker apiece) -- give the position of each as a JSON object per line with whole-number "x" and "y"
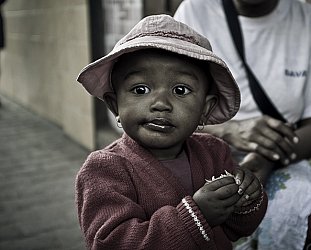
{"x": 162, "y": 186}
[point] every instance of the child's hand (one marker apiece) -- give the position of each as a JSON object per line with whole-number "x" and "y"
{"x": 217, "y": 199}
{"x": 250, "y": 188}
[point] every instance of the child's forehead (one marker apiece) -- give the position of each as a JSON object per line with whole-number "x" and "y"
{"x": 146, "y": 57}
{"x": 154, "y": 64}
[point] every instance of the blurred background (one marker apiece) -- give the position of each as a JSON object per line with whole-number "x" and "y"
{"x": 48, "y": 123}
{"x": 48, "y": 42}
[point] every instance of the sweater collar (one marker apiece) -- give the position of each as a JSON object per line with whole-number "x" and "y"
{"x": 147, "y": 160}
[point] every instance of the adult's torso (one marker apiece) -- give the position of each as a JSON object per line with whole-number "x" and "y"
{"x": 277, "y": 48}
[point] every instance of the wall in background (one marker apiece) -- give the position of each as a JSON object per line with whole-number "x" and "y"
{"x": 47, "y": 44}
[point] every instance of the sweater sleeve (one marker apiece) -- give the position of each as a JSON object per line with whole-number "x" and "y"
{"x": 111, "y": 216}
{"x": 244, "y": 223}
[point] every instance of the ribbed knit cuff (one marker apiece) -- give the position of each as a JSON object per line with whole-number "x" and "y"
{"x": 254, "y": 206}
{"x": 195, "y": 221}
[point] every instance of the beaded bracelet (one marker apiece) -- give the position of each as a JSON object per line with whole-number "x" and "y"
{"x": 256, "y": 207}
{"x": 196, "y": 219}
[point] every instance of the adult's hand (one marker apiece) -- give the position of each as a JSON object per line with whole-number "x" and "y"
{"x": 265, "y": 135}
{"x": 259, "y": 165}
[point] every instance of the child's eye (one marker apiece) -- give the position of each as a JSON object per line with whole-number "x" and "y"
{"x": 181, "y": 90}
{"x": 141, "y": 90}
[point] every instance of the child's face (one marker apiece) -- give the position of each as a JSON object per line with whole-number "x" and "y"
{"x": 160, "y": 98}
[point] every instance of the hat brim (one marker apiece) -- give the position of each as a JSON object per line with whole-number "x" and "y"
{"x": 96, "y": 77}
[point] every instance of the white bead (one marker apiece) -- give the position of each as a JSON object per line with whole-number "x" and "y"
{"x": 196, "y": 219}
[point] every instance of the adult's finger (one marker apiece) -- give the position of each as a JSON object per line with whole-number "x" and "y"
{"x": 278, "y": 145}
{"x": 282, "y": 128}
{"x": 276, "y": 154}
{"x": 269, "y": 141}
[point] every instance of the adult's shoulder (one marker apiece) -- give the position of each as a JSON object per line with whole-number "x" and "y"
{"x": 197, "y": 9}
{"x": 200, "y": 3}
{"x": 301, "y": 9}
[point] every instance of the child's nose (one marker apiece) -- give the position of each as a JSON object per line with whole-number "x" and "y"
{"x": 161, "y": 102}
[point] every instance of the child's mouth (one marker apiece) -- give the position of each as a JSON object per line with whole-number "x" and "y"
{"x": 160, "y": 125}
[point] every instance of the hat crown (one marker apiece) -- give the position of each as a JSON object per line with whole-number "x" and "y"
{"x": 165, "y": 26}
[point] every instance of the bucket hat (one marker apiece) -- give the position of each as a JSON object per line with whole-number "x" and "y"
{"x": 164, "y": 32}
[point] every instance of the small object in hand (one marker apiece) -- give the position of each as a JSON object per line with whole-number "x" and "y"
{"x": 227, "y": 174}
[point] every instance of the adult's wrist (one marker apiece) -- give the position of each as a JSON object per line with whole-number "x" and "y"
{"x": 228, "y": 129}
{"x": 223, "y": 131}
{"x": 259, "y": 165}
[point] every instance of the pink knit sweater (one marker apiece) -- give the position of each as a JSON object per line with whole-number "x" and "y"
{"x": 127, "y": 199}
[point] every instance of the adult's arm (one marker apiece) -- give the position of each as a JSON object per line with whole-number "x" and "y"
{"x": 267, "y": 136}
{"x": 259, "y": 165}
{"x": 303, "y": 148}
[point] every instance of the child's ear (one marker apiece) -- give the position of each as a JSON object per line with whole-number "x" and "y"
{"x": 210, "y": 104}
{"x": 111, "y": 102}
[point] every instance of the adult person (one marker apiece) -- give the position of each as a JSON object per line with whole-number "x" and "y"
{"x": 277, "y": 46}
{"x": 2, "y": 40}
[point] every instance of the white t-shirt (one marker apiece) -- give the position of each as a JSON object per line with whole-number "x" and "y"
{"x": 277, "y": 49}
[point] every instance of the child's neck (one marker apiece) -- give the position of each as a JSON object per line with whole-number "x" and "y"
{"x": 166, "y": 154}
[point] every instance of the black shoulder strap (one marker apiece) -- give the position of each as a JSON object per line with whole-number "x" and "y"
{"x": 261, "y": 98}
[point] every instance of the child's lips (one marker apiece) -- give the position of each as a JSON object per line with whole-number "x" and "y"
{"x": 159, "y": 124}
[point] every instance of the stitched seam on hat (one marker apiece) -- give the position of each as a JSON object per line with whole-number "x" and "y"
{"x": 166, "y": 34}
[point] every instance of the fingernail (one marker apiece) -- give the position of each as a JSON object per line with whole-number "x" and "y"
{"x": 293, "y": 156}
{"x": 237, "y": 181}
{"x": 240, "y": 191}
{"x": 276, "y": 157}
{"x": 253, "y": 145}
{"x": 286, "y": 162}
{"x": 296, "y": 140}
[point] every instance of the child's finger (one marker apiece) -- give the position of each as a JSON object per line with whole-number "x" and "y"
{"x": 248, "y": 178}
{"x": 247, "y": 199}
{"x": 231, "y": 201}
{"x": 214, "y": 185}
{"x": 239, "y": 176}
{"x": 252, "y": 192}
{"x": 253, "y": 187}
{"x": 255, "y": 195}
{"x": 244, "y": 199}
{"x": 227, "y": 191}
